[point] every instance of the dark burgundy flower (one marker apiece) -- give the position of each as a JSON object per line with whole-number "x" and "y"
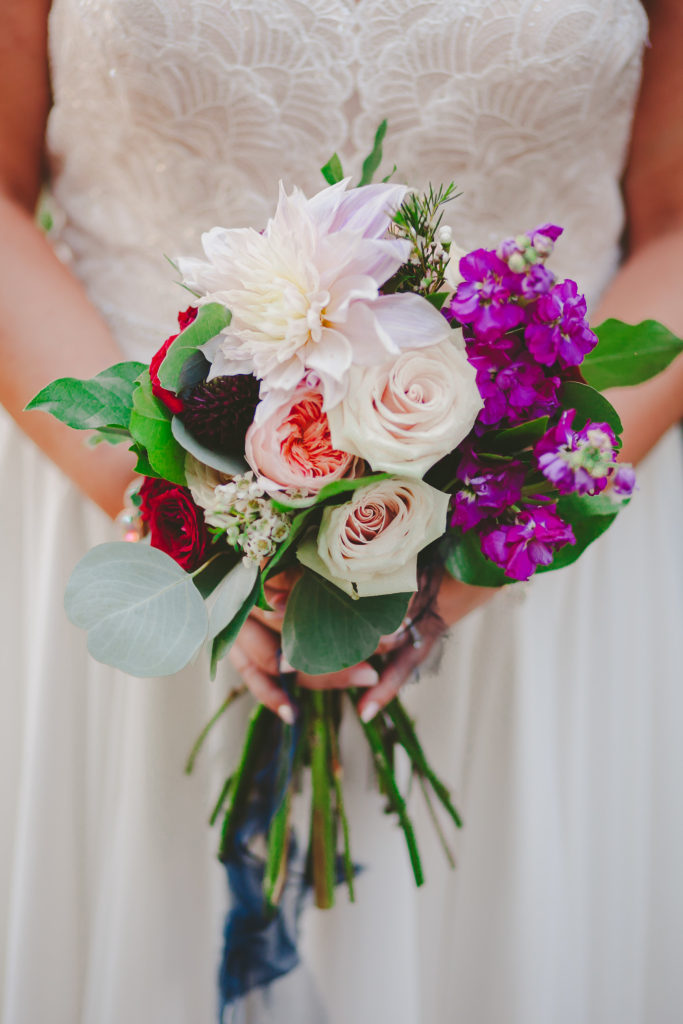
{"x": 172, "y": 402}
{"x": 220, "y": 411}
{"x": 176, "y": 524}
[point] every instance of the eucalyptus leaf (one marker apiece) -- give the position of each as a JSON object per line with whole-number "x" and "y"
{"x": 227, "y": 636}
{"x": 210, "y": 321}
{"x": 142, "y": 612}
{"x": 231, "y": 595}
{"x": 150, "y": 425}
{"x": 195, "y": 371}
{"x": 332, "y": 172}
{"x": 105, "y": 400}
{"x": 628, "y": 354}
{"x": 231, "y": 465}
{"x": 589, "y": 405}
{"x": 325, "y": 630}
{"x": 374, "y": 158}
{"x": 214, "y": 572}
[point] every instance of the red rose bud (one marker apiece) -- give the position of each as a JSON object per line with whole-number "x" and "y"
{"x": 176, "y": 524}
{"x": 187, "y": 317}
{"x": 170, "y": 400}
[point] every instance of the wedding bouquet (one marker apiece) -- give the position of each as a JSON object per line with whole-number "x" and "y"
{"x": 352, "y": 396}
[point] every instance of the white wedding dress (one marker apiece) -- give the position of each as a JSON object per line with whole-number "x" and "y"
{"x": 556, "y": 712}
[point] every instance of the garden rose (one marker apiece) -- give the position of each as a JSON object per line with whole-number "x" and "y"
{"x": 292, "y": 446}
{"x": 403, "y": 416}
{"x": 169, "y": 399}
{"x": 175, "y": 523}
{"x": 369, "y": 545}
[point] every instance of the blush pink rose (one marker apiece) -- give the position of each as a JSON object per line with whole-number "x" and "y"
{"x": 292, "y": 447}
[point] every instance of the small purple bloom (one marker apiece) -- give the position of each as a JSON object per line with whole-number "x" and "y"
{"x": 624, "y": 481}
{"x": 578, "y": 462}
{"x": 486, "y": 298}
{"x": 488, "y": 489}
{"x": 531, "y": 540}
{"x": 546, "y": 232}
{"x": 559, "y": 330}
{"x": 538, "y": 280}
{"x": 514, "y": 388}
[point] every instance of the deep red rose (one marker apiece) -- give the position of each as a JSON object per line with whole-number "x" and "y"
{"x": 176, "y": 524}
{"x": 170, "y": 400}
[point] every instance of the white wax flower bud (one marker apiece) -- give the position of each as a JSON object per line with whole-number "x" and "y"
{"x": 517, "y": 263}
{"x": 444, "y": 235}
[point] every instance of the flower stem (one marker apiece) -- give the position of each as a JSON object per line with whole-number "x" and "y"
{"x": 337, "y": 777}
{"x": 230, "y": 699}
{"x": 243, "y": 777}
{"x": 322, "y": 823}
{"x": 388, "y": 780}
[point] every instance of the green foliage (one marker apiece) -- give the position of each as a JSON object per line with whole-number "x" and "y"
{"x": 150, "y": 425}
{"x": 142, "y": 612}
{"x": 589, "y": 405}
{"x": 418, "y": 220}
{"x": 228, "y": 464}
{"x": 105, "y": 400}
{"x": 627, "y": 354}
{"x": 210, "y": 321}
{"x": 332, "y": 490}
{"x": 332, "y": 172}
{"x": 325, "y": 630}
{"x": 515, "y": 439}
{"x": 230, "y": 595}
{"x": 466, "y": 562}
{"x": 374, "y": 158}
{"x": 224, "y": 640}
{"x": 589, "y": 518}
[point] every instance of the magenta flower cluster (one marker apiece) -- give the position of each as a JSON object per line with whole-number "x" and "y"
{"x": 523, "y": 328}
{"x": 525, "y": 332}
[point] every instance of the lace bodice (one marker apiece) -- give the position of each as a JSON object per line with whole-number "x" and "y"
{"x": 171, "y": 116}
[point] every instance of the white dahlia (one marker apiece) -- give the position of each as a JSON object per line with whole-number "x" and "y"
{"x": 304, "y": 293}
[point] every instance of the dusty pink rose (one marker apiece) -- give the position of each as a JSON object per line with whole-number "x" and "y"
{"x": 292, "y": 447}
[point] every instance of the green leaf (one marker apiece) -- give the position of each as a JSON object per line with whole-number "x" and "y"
{"x": 374, "y": 159}
{"x": 437, "y": 299}
{"x": 142, "y": 612}
{"x": 589, "y": 518}
{"x": 227, "y": 636}
{"x": 299, "y": 523}
{"x": 628, "y": 354}
{"x": 111, "y": 435}
{"x": 516, "y": 438}
{"x": 214, "y": 572}
{"x": 210, "y": 321}
{"x": 142, "y": 466}
{"x": 325, "y": 630}
{"x": 589, "y": 405}
{"x": 332, "y": 490}
{"x": 231, "y": 595}
{"x": 150, "y": 425}
{"x": 466, "y": 562}
{"x": 332, "y": 171}
{"x": 228, "y": 464}
{"x": 105, "y": 400}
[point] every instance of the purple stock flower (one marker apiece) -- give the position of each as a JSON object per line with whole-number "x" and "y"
{"x": 488, "y": 489}
{"x": 485, "y": 299}
{"x": 531, "y": 540}
{"x": 538, "y": 280}
{"x": 577, "y": 461}
{"x": 559, "y": 331}
{"x": 624, "y": 481}
{"x": 514, "y": 388}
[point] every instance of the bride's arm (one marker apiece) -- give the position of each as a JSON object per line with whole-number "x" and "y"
{"x": 650, "y": 283}
{"x": 48, "y": 328}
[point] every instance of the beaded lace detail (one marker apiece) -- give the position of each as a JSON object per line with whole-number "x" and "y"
{"x": 171, "y": 116}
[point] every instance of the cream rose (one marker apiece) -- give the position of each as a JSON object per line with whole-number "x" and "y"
{"x": 368, "y": 546}
{"x": 405, "y": 415}
{"x": 291, "y": 446}
{"x": 202, "y": 481}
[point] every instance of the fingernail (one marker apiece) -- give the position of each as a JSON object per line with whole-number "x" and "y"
{"x": 364, "y": 676}
{"x": 369, "y": 711}
{"x": 285, "y": 666}
{"x": 286, "y": 713}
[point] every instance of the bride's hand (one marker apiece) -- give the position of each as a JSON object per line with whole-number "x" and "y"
{"x": 256, "y": 652}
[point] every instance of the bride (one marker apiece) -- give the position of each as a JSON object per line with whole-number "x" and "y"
{"x": 554, "y": 712}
